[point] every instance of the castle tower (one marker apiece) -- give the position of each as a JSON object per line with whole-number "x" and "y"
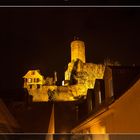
{"x": 78, "y": 50}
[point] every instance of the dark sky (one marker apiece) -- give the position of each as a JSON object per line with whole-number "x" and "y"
{"x": 39, "y": 38}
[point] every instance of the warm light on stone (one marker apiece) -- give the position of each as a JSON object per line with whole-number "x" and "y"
{"x": 79, "y": 77}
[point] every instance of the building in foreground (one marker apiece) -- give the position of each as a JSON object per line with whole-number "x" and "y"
{"x": 113, "y": 105}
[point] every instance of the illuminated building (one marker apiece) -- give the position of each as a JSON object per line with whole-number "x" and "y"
{"x": 33, "y": 79}
{"x": 79, "y": 77}
{"x": 78, "y": 51}
{"x": 110, "y": 90}
{"x": 111, "y": 104}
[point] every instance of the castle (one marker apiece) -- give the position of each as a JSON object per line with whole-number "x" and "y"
{"x": 79, "y": 77}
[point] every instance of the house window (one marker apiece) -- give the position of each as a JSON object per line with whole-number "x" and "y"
{"x": 30, "y": 86}
{"x": 37, "y": 80}
{"x": 38, "y": 86}
{"x": 29, "y": 80}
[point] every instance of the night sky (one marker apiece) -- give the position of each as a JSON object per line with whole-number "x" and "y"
{"x": 39, "y": 38}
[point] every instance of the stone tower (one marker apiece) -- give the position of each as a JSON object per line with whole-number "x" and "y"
{"x": 78, "y": 51}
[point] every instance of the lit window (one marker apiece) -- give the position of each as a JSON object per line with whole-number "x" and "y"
{"x": 29, "y": 80}
{"x": 63, "y": 83}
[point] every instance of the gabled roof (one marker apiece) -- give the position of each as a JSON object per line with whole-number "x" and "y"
{"x": 33, "y": 74}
